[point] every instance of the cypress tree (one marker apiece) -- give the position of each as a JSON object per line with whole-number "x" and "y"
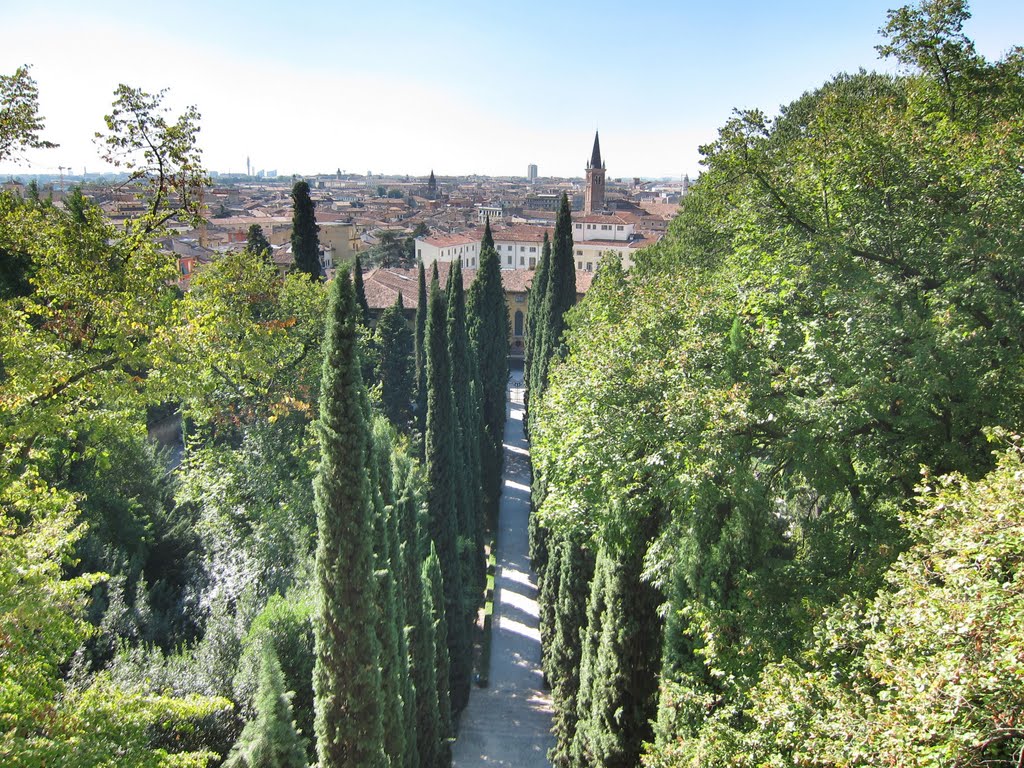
{"x": 535, "y": 320}
{"x": 433, "y": 606}
{"x": 270, "y": 740}
{"x": 467, "y": 439}
{"x": 580, "y": 751}
{"x": 357, "y": 281}
{"x": 549, "y": 587}
{"x": 564, "y": 658}
{"x": 421, "y": 351}
{"x": 559, "y": 297}
{"x": 488, "y": 238}
{"x": 395, "y": 342}
{"x": 256, "y": 242}
{"x": 442, "y": 464}
{"x": 624, "y": 671}
{"x": 305, "y": 241}
{"x": 489, "y": 333}
{"x": 389, "y": 623}
{"x": 426, "y": 739}
{"x": 346, "y": 675}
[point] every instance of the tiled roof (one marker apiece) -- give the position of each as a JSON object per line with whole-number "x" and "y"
{"x": 382, "y": 285}
{"x": 445, "y": 241}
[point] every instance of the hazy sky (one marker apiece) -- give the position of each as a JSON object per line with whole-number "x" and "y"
{"x": 457, "y": 87}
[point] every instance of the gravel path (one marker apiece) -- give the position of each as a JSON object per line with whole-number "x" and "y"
{"x": 509, "y": 723}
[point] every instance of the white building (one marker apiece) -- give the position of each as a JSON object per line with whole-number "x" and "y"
{"x": 596, "y": 234}
{"x": 464, "y": 247}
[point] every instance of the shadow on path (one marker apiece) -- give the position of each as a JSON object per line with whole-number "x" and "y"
{"x": 509, "y": 723}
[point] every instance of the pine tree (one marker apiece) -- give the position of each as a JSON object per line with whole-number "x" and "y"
{"x": 443, "y": 468}
{"x": 488, "y": 324}
{"x": 305, "y": 241}
{"x": 566, "y": 653}
{"x": 256, "y": 242}
{"x": 468, "y": 443}
{"x": 357, "y": 280}
{"x": 346, "y": 675}
{"x": 395, "y": 343}
{"x": 270, "y": 740}
{"x": 433, "y": 606}
{"x": 534, "y": 322}
{"x": 421, "y": 351}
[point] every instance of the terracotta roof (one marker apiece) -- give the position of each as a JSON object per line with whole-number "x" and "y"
{"x": 446, "y": 241}
{"x": 604, "y": 218}
{"x": 522, "y": 233}
{"x": 382, "y": 285}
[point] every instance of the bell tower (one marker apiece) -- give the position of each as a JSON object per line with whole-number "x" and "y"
{"x": 594, "y": 196}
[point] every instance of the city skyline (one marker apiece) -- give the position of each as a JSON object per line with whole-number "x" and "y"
{"x": 407, "y": 89}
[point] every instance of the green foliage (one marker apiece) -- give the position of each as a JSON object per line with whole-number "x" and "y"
{"x": 443, "y": 469}
{"x": 395, "y": 341}
{"x": 421, "y": 351}
{"x": 256, "y": 242}
{"x": 253, "y": 505}
{"x": 434, "y": 596}
{"x": 346, "y": 676}
{"x": 20, "y": 123}
{"x": 242, "y": 344}
{"x": 357, "y": 281}
{"x": 924, "y": 673}
{"x": 285, "y": 628}
{"x": 161, "y": 157}
{"x": 836, "y": 305}
{"x": 487, "y": 314}
{"x": 271, "y": 739}
{"x": 470, "y": 493}
{"x": 390, "y": 621}
{"x": 305, "y": 240}
{"x": 534, "y": 315}
{"x": 565, "y": 653}
{"x": 559, "y": 295}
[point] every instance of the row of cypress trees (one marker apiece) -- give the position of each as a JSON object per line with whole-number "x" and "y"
{"x": 399, "y": 562}
{"x": 598, "y": 619}
{"x": 552, "y": 294}
{"x": 381, "y": 670}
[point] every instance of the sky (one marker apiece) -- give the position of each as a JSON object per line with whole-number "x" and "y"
{"x": 454, "y": 87}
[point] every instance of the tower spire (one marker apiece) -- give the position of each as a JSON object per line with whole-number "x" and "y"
{"x": 595, "y": 156}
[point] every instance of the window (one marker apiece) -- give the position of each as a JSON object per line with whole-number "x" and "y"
{"x": 619, "y": 228}
{"x": 579, "y": 251}
{"x": 590, "y": 266}
{"x": 579, "y": 226}
{"x": 606, "y": 227}
{"x": 518, "y": 323}
{"x": 520, "y": 299}
{"x": 522, "y": 261}
{"x": 419, "y": 252}
{"x": 509, "y": 260}
{"x": 522, "y": 248}
{"x": 533, "y": 262}
{"x": 533, "y": 249}
{"x": 579, "y": 265}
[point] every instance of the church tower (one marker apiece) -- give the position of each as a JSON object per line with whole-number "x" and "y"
{"x": 594, "y": 196}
